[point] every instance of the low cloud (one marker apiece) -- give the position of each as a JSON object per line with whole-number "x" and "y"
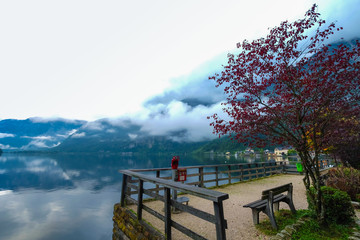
{"x": 48, "y": 138}
{"x": 110, "y": 130}
{"x": 2, "y": 146}
{"x": 95, "y": 126}
{"x": 55, "y": 119}
{"x": 132, "y": 136}
{"x": 67, "y": 134}
{"x": 179, "y": 121}
{"x": 36, "y": 144}
{"x": 78, "y": 135}
{"x": 6, "y": 135}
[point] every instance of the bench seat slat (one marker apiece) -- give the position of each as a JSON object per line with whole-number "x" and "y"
{"x": 276, "y": 200}
{"x": 253, "y": 203}
{"x": 262, "y": 203}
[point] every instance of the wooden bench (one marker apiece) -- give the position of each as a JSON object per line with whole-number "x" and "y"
{"x": 269, "y": 198}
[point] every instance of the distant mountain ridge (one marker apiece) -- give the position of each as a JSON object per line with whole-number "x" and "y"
{"x": 100, "y": 136}
{"x": 64, "y": 135}
{"x": 35, "y": 133}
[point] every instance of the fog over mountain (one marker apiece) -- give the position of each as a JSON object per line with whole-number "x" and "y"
{"x": 180, "y": 113}
{"x": 183, "y": 108}
{"x": 174, "y": 118}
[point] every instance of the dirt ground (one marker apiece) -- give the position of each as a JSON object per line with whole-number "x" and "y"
{"x": 239, "y": 219}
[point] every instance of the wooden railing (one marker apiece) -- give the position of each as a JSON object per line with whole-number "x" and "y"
{"x": 221, "y": 174}
{"x": 216, "y": 197}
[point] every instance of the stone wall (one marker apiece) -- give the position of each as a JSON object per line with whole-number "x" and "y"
{"x": 126, "y": 226}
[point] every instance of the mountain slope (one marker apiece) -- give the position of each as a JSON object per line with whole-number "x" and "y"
{"x": 103, "y": 136}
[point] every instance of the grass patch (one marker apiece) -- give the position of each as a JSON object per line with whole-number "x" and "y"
{"x": 310, "y": 230}
{"x": 283, "y": 218}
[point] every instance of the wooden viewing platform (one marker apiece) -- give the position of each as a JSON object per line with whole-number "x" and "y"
{"x": 211, "y": 214}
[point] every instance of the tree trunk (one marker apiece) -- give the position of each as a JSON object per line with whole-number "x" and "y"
{"x": 313, "y": 179}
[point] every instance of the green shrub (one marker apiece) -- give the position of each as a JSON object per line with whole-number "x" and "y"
{"x": 345, "y": 179}
{"x": 292, "y": 152}
{"x": 337, "y": 204}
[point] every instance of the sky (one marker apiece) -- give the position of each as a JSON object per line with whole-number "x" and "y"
{"x": 86, "y": 59}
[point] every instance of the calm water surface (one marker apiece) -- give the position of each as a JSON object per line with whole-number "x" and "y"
{"x": 69, "y": 197}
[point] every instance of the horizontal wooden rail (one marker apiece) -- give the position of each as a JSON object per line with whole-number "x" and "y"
{"x": 216, "y": 175}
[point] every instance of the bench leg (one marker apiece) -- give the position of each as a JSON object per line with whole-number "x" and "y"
{"x": 273, "y": 221}
{"x": 291, "y": 205}
{"x": 255, "y": 214}
{"x": 276, "y": 206}
{"x": 269, "y": 211}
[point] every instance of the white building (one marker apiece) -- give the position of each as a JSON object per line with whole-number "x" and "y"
{"x": 281, "y": 151}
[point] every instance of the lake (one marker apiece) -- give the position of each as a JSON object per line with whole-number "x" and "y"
{"x": 64, "y": 196}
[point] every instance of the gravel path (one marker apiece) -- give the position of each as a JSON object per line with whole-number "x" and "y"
{"x": 239, "y": 219}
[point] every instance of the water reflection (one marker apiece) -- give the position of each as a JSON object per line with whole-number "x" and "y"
{"x": 55, "y": 215}
{"x": 91, "y": 172}
{"x": 58, "y": 196}
{"x": 23, "y": 172}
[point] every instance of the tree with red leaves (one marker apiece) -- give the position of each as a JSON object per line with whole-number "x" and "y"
{"x": 292, "y": 88}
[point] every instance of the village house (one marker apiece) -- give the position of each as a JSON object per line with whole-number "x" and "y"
{"x": 281, "y": 151}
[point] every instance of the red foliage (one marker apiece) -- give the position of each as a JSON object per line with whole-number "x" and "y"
{"x": 291, "y": 87}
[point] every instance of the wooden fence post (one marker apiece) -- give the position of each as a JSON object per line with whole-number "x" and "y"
{"x": 201, "y": 177}
{"x": 283, "y": 167}
{"x": 229, "y": 173}
{"x": 128, "y": 189}
{"x": 167, "y": 213}
{"x": 220, "y": 221}
{"x": 257, "y": 170}
{"x": 123, "y": 190}
{"x": 140, "y": 199}
{"x": 157, "y": 185}
{"x": 264, "y": 166}
{"x": 217, "y": 176}
{"x": 241, "y": 173}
